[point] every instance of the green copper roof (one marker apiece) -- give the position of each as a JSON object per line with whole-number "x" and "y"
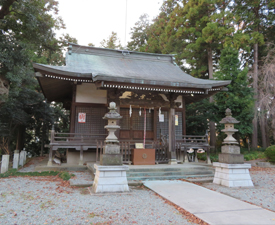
{"x": 101, "y": 64}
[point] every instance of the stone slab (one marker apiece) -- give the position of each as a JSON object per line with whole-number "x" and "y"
{"x": 210, "y": 206}
{"x": 232, "y": 175}
{"x": 24, "y": 157}
{"x": 21, "y": 158}
{"x": 110, "y": 159}
{"x": 15, "y": 160}
{"x": 5, "y": 163}
{"x": 231, "y": 158}
{"x": 231, "y": 149}
{"x": 110, "y": 179}
{"x": 111, "y": 149}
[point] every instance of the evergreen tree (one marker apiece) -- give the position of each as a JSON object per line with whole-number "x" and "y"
{"x": 112, "y": 42}
{"x": 139, "y": 34}
{"x": 239, "y": 97}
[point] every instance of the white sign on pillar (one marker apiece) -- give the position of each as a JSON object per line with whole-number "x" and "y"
{"x": 82, "y": 117}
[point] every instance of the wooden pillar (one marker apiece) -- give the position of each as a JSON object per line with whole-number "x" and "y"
{"x": 183, "y": 117}
{"x": 81, "y": 157}
{"x": 172, "y": 129}
{"x": 155, "y": 123}
{"x": 72, "y": 118}
{"x": 172, "y": 139}
{"x": 50, "y": 162}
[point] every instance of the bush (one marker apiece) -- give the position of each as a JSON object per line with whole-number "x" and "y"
{"x": 65, "y": 175}
{"x": 203, "y": 157}
{"x": 270, "y": 153}
{"x": 253, "y": 155}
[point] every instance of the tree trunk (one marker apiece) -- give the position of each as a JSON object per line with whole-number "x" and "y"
{"x": 263, "y": 130}
{"x": 255, "y": 86}
{"x": 211, "y": 123}
{"x": 5, "y": 10}
{"x": 20, "y": 138}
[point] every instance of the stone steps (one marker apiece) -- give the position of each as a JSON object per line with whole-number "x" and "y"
{"x": 166, "y": 172}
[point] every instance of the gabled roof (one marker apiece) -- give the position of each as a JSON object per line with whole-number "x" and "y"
{"x": 91, "y": 64}
{"x": 100, "y": 64}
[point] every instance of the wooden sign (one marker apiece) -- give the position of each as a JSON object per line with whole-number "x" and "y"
{"x": 161, "y": 117}
{"x": 176, "y": 120}
{"x": 82, "y": 117}
{"x": 139, "y": 145}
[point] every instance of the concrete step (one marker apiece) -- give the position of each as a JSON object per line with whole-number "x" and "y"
{"x": 169, "y": 173}
{"x": 175, "y": 177}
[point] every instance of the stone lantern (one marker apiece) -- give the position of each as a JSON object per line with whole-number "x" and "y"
{"x": 231, "y": 171}
{"x": 111, "y": 151}
{"x": 110, "y": 175}
{"x": 230, "y": 149}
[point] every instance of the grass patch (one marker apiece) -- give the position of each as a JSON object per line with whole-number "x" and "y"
{"x": 65, "y": 175}
{"x": 15, "y": 173}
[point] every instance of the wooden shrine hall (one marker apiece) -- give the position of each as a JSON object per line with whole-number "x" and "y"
{"x": 150, "y": 92}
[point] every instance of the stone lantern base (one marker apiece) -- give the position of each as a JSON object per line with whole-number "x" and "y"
{"x": 232, "y": 175}
{"x": 110, "y": 179}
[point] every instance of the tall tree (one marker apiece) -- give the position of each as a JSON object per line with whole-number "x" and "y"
{"x": 255, "y": 18}
{"x": 239, "y": 97}
{"x": 139, "y": 34}
{"x": 111, "y": 42}
{"x": 26, "y": 34}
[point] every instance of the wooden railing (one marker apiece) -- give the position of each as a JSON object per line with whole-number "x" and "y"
{"x": 96, "y": 141}
{"x": 74, "y": 140}
{"x": 161, "y": 150}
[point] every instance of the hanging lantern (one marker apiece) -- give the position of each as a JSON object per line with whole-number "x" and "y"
{"x": 130, "y": 111}
{"x": 149, "y": 110}
{"x": 159, "y": 111}
{"x": 140, "y": 111}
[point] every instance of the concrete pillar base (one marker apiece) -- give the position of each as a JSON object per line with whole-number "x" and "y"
{"x": 5, "y": 163}
{"x": 110, "y": 179}
{"x": 172, "y": 162}
{"x": 50, "y": 163}
{"x": 232, "y": 175}
{"x": 15, "y": 159}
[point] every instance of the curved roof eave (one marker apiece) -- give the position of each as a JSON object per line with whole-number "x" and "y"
{"x": 60, "y": 70}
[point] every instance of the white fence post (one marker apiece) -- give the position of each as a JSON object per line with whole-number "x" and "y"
{"x": 5, "y": 163}
{"x": 21, "y": 158}
{"x": 24, "y": 157}
{"x": 16, "y": 159}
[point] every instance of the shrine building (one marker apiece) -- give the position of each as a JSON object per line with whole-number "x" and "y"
{"x": 150, "y": 92}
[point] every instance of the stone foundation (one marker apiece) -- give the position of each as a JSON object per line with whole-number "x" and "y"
{"x": 232, "y": 175}
{"x": 231, "y": 158}
{"x": 110, "y": 179}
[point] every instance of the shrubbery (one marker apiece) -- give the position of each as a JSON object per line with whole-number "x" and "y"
{"x": 270, "y": 153}
{"x": 15, "y": 173}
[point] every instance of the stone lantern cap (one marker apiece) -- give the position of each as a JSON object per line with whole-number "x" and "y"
{"x": 112, "y": 114}
{"x": 229, "y": 119}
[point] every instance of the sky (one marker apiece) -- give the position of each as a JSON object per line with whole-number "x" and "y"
{"x": 91, "y": 21}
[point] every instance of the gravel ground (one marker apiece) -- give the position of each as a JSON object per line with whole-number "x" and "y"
{"x": 41, "y": 200}
{"x": 262, "y": 194}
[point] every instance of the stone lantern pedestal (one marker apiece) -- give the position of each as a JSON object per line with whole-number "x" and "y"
{"x": 111, "y": 173}
{"x": 231, "y": 171}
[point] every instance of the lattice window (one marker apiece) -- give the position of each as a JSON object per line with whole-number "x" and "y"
{"x": 179, "y": 127}
{"x": 163, "y": 127}
{"x": 137, "y": 120}
{"x": 125, "y": 121}
{"x": 94, "y": 123}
